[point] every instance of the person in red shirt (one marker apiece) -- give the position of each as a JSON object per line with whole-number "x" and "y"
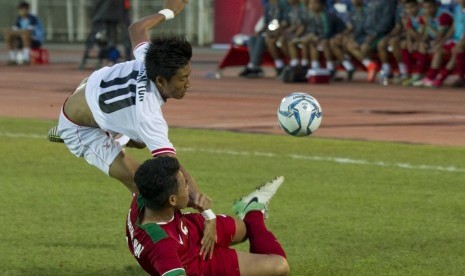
{"x": 166, "y": 242}
{"x": 434, "y": 24}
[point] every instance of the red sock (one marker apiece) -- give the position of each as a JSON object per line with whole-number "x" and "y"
{"x": 261, "y": 240}
{"x": 460, "y": 65}
{"x": 444, "y": 74}
{"x": 432, "y": 73}
{"x": 422, "y": 63}
{"x": 407, "y": 60}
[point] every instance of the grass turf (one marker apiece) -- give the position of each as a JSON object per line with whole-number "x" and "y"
{"x": 346, "y": 208}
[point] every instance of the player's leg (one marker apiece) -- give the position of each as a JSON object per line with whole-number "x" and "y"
{"x": 124, "y": 168}
{"x": 266, "y": 252}
{"x": 274, "y": 52}
{"x": 10, "y": 37}
{"x": 383, "y": 55}
{"x": 327, "y": 53}
{"x": 262, "y": 264}
{"x": 405, "y": 61}
{"x": 26, "y": 38}
{"x": 460, "y": 65}
{"x": 457, "y": 51}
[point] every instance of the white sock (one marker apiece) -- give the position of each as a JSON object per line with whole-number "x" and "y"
{"x": 315, "y": 65}
{"x": 26, "y": 52}
{"x": 279, "y": 63}
{"x": 304, "y": 62}
{"x": 348, "y": 65}
{"x": 366, "y": 62}
{"x": 12, "y": 54}
{"x": 402, "y": 68}
{"x": 250, "y": 65}
{"x": 294, "y": 62}
{"x": 330, "y": 65}
{"x": 386, "y": 67}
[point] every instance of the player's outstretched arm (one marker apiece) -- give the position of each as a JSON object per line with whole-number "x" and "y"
{"x": 138, "y": 31}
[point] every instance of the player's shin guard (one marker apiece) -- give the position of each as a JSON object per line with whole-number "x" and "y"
{"x": 261, "y": 240}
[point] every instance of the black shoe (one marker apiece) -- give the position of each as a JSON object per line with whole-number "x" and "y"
{"x": 245, "y": 72}
{"x": 288, "y": 74}
{"x": 300, "y": 74}
{"x": 279, "y": 71}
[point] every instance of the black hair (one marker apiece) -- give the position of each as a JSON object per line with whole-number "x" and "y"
{"x": 23, "y": 5}
{"x": 156, "y": 181}
{"x": 411, "y": 2}
{"x": 166, "y": 55}
{"x": 430, "y": 2}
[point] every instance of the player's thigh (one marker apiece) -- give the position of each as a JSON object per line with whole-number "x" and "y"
{"x": 124, "y": 168}
{"x": 261, "y": 264}
{"x": 241, "y": 232}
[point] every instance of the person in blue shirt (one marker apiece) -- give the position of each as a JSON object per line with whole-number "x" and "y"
{"x": 27, "y": 33}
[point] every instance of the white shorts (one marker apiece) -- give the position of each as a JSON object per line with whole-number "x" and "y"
{"x": 95, "y": 145}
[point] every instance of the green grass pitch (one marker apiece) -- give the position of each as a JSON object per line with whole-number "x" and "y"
{"x": 346, "y": 207}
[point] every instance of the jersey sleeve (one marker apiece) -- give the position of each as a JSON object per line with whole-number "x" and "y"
{"x": 164, "y": 258}
{"x": 140, "y": 50}
{"x": 154, "y": 133}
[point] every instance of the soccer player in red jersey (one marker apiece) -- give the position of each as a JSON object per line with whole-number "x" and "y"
{"x": 167, "y": 242}
{"x": 434, "y": 22}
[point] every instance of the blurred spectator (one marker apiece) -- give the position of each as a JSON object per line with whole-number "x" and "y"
{"x": 341, "y": 8}
{"x": 321, "y": 27}
{"x": 277, "y": 44}
{"x": 435, "y": 22}
{"x": 454, "y": 42}
{"x": 27, "y": 33}
{"x": 273, "y": 16}
{"x": 352, "y": 38}
{"x": 378, "y": 25}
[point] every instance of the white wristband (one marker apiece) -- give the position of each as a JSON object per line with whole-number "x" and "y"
{"x": 208, "y": 214}
{"x": 169, "y": 14}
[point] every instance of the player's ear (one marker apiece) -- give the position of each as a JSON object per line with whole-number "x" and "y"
{"x": 172, "y": 200}
{"x": 160, "y": 81}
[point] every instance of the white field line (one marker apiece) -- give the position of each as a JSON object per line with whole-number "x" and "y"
{"x": 337, "y": 160}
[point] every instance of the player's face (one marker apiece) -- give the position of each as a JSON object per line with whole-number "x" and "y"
{"x": 411, "y": 9}
{"x": 315, "y": 5}
{"x": 182, "y": 197}
{"x": 177, "y": 87}
{"x": 429, "y": 9}
{"x": 357, "y": 3}
{"x": 23, "y": 12}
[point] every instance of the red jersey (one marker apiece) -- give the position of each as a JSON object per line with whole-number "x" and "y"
{"x": 172, "y": 248}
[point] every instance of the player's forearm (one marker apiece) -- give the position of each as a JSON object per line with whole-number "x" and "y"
{"x": 190, "y": 181}
{"x": 138, "y": 31}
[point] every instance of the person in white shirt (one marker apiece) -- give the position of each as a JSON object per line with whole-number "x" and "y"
{"x": 126, "y": 99}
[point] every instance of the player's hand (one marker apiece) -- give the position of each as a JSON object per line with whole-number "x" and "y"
{"x": 200, "y": 202}
{"x": 209, "y": 239}
{"x": 175, "y": 5}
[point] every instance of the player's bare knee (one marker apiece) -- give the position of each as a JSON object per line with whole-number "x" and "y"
{"x": 282, "y": 266}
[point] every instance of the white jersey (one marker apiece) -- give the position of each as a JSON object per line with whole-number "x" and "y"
{"x": 123, "y": 100}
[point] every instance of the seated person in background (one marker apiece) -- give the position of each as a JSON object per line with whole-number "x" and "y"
{"x": 351, "y": 39}
{"x": 277, "y": 44}
{"x": 341, "y": 8}
{"x": 27, "y": 33}
{"x": 167, "y": 242}
{"x": 273, "y": 16}
{"x": 321, "y": 27}
{"x": 453, "y": 42}
{"x": 378, "y": 24}
{"x": 435, "y": 22}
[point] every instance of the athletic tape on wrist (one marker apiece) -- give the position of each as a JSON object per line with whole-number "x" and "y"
{"x": 208, "y": 214}
{"x": 169, "y": 14}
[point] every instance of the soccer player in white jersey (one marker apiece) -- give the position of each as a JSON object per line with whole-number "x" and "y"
{"x": 126, "y": 99}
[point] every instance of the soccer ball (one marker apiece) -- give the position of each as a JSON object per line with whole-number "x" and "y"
{"x": 299, "y": 114}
